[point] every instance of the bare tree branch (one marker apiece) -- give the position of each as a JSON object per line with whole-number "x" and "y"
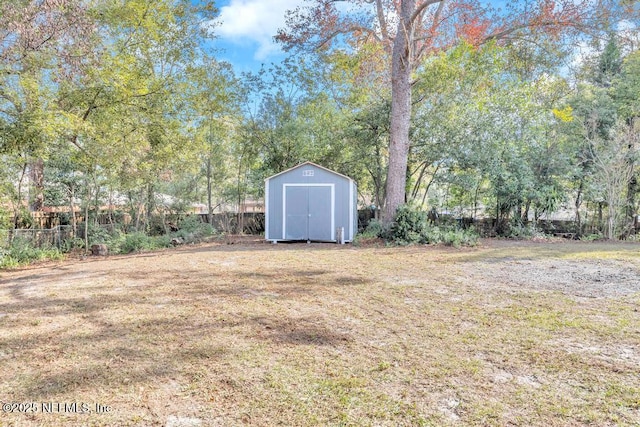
{"x": 421, "y": 7}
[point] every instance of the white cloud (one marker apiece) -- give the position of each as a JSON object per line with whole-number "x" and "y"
{"x": 626, "y": 25}
{"x": 254, "y": 21}
{"x": 583, "y": 50}
{"x": 625, "y": 29}
{"x": 628, "y": 31}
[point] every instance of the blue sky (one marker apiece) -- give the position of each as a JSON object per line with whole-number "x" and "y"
{"x": 246, "y": 29}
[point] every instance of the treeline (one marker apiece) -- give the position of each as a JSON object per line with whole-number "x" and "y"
{"x": 118, "y": 105}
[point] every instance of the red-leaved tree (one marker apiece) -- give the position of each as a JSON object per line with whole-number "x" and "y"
{"x": 410, "y": 30}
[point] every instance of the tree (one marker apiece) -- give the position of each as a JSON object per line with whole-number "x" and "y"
{"x": 42, "y": 43}
{"x": 410, "y": 30}
{"x": 368, "y": 134}
{"x": 126, "y": 113}
{"x": 295, "y": 121}
{"x": 604, "y": 110}
{"x": 214, "y": 97}
{"x": 613, "y": 160}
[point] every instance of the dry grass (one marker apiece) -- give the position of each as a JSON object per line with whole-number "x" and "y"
{"x": 297, "y": 335}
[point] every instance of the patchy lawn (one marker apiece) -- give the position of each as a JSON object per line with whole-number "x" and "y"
{"x": 510, "y": 333}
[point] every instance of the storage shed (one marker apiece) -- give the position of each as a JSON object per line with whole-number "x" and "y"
{"x": 312, "y": 203}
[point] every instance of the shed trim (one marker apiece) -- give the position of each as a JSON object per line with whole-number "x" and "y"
{"x": 351, "y": 211}
{"x": 284, "y": 205}
{"x": 312, "y": 164}
{"x": 266, "y": 210}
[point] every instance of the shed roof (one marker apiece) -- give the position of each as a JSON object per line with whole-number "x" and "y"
{"x": 312, "y": 164}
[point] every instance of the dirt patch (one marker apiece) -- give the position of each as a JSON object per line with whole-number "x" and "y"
{"x": 593, "y": 279}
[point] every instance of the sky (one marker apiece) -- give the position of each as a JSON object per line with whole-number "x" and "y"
{"x": 246, "y": 29}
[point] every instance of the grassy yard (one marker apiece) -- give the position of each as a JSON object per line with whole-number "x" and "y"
{"x": 509, "y": 333}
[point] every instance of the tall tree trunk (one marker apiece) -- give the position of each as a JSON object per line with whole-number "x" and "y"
{"x": 632, "y": 188}
{"x": 433, "y": 178}
{"x": 611, "y": 221}
{"x": 36, "y": 172}
{"x": 86, "y": 216}
{"x": 577, "y": 204}
{"x": 400, "y": 113}
{"x": 74, "y": 225}
{"x": 600, "y": 223}
{"x": 150, "y": 205}
{"x": 416, "y": 185}
{"x": 475, "y": 202}
{"x": 111, "y": 219}
{"x": 209, "y": 191}
{"x": 17, "y": 206}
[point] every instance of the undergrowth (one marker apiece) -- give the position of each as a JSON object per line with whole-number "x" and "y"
{"x": 21, "y": 252}
{"x": 411, "y": 227}
{"x": 191, "y": 230}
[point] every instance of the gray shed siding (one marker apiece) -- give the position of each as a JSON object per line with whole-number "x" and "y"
{"x": 309, "y": 202}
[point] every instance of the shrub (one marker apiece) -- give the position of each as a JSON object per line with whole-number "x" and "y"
{"x": 98, "y": 235}
{"x": 69, "y": 245}
{"x": 192, "y": 230}
{"x": 190, "y": 223}
{"x": 411, "y": 227}
{"x": 134, "y": 242}
{"x": 432, "y": 235}
{"x": 408, "y": 227}
{"x": 374, "y": 231}
{"x": 458, "y": 237}
{"x": 5, "y": 219}
{"x": 21, "y": 251}
{"x": 24, "y": 219}
{"x": 375, "y": 228}
{"x": 592, "y": 237}
{"x": 156, "y": 226}
{"x": 520, "y": 231}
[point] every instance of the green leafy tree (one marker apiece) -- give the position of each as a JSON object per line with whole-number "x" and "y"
{"x": 409, "y": 31}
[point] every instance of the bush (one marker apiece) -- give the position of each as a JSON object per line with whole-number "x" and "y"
{"x": 156, "y": 226}
{"x": 192, "y": 230}
{"x": 21, "y": 252}
{"x": 160, "y": 242}
{"x": 69, "y": 245}
{"x": 136, "y": 242}
{"x": 5, "y": 219}
{"x": 24, "y": 219}
{"x": 375, "y": 228}
{"x": 374, "y": 231}
{"x": 457, "y": 238}
{"x": 518, "y": 230}
{"x": 411, "y": 227}
{"x": 190, "y": 223}
{"x": 97, "y": 234}
{"x": 592, "y": 237}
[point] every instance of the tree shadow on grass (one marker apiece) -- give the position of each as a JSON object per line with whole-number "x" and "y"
{"x": 152, "y": 333}
{"x": 299, "y": 331}
{"x": 122, "y": 355}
